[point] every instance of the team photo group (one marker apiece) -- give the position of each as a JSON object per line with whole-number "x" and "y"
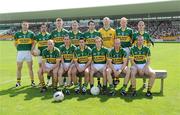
{"x": 67, "y": 56}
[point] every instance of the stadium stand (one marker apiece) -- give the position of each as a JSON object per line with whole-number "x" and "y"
{"x": 165, "y": 30}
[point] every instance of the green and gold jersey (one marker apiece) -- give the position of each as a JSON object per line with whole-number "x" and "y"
{"x": 140, "y": 55}
{"x": 125, "y": 36}
{"x": 83, "y": 56}
{"x": 51, "y": 56}
{"x": 90, "y": 38}
{"x": 75, "y": 37}
{"x": 99, "y": 56}
{"x": 24, "y": 41}
{"x": 58, "y": 36}
{"x": 108, "y": 37}
{"x": 67, "y": 53}
{"x": 146, "y": 35}
{"x": 41, "y": 39}
{"x": 117, "y": 57}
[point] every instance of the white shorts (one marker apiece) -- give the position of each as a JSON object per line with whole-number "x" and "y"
{"x": 99, "y": 67}
{"x": 117, "y": 67}
{"x": 140, "y": 66}
{"x": 127, "y": 51}
{"x": 24, "y": 56}
{"x": 39, "y": 59}
{"x": 82, "y": 65}
{"x": 49, "y": 66}
{"x": 66, "y": 65}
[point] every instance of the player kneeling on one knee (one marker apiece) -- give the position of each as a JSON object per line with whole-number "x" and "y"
{"x": 140, "y": 60}
{"x": 82, "y": 60}
{"x": 67, "y": 51}
{"x": 50, "y": 64}
{"x": 117, "y": 64}
{"x": 99, "y": 62}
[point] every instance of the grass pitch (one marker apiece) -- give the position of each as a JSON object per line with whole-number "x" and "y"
{"x": 29, "y": 101}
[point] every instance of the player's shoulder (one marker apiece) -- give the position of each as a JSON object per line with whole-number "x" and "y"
{"x": 122, "y": 50}
{"x": 101, "y": 29}
{"x": 146, "y": 33}
{"x": 133, "y": 47}
{"x": 53, "y": 31}
{"x": 145, "y": 47}
{"x": 17, "y": 33}
{"x": 30, "y": 31}
{"x": 136, "y": 32}
{"x": 129, "y": 29}
{"x": 44, "y": 50}
{"x": 47, "y": 33}
{"x": 104, "y": 48}
{"x": 65, "y": 30}
{"x": 94, "y": 48}
{"x": 56, "y": 49}
{"x": 88, "y": 48}
{"x": 73, "y": 46}
{"x": 112, "y": 29}
{"x": 62, "y": 46}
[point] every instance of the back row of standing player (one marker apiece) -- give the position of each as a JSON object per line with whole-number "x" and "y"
{"x": 125, "y": 34}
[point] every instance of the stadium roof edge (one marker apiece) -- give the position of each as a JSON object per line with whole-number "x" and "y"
{"x": 168, "y": 8}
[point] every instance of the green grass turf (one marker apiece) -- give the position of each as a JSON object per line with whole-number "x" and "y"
{"x": 27, "y": 100}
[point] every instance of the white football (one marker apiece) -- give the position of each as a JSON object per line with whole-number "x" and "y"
{"x": 36, "y": 52}
{"x": 95, "y": 90}
{"x": 58, "y": 96}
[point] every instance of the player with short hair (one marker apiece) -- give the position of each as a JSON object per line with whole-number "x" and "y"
{"x": 50, "y": 64}
{"x": 75, "y": 34}
{"x": 91, "y": 34}
{"x": 125, "y": 34}
{"x": 41, "y": 40}
{"x": 58, "y": 34}
{"x": 67, "y": 51}
{"x": 141, "y": 31}
{"x": 24, "y": 43}
{"x": 147, "y": 40}
{"x": 99, "y": 63}
{"x": 83, "y": 60}
{"x": 117, "y": 65}
{"x": 108, "y": 34}
{"x": 140, "y": 61}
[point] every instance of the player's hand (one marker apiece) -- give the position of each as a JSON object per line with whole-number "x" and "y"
{"x": 32, "y": 53}
{"x": 119, "y": 72}
{"x": 145, "y": 68}
{"x": 47, "y": 70}
{"x": 116, "y": 73}
{"x": 66, "y": 68}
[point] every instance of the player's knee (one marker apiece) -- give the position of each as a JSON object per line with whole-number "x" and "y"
{"x": 108, "y": 71}
{"x": 87, "y": 70}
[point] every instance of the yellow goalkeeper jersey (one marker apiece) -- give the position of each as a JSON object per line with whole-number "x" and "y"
{"x": 108, "y": 37}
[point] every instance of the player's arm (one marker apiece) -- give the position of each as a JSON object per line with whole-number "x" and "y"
{"x": 58, "y": 59}
{"x": 75, "y": 59}
{"x": 89, "y": 59}
{"x": 106, "y": 55}
{"x": 110, "y": 61}
{"x": 43, "y": 62}
{"x": 89, "y": 62}
{"x": 132, "y": 58}
{"x": 148, "y": 58}
{"x": 15, "y": 40}
{"x": 33, "y": 42}
{"x": 57, "y": 63}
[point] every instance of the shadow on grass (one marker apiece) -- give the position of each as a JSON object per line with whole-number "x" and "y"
{"x": 30, "y": 92}
{"x": 34, "y": 92}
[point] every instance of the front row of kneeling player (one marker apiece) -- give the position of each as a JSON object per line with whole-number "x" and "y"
{"x": 68, "y": 62}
